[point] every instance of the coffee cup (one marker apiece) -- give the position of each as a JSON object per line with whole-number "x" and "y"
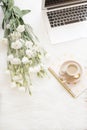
{"x": 70, "y": 72}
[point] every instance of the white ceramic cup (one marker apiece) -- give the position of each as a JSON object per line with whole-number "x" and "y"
{"x": 72, "y": 69}
{"x": 70, "y": 72}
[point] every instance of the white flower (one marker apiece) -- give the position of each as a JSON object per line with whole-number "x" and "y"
{"x": 21, "y": 28}
{"x": 31, "y": 70}
{"x": 4, "y": 41}
{"x": 21, "y": 81}
{"x": 17, "y": 78}
{"x": 10, "y": 57}
{"x": 29, "y": 53}
{"x": 36, "y": 48}
{"x": 43, "y": 66}
{"x": 15, "y": 35}
{"x": 30, "y": 62}
{"x": 16, "y": 61}
{"x": 37, "y": 68}
{"x": 13, "y": 85}
{"x": 8, "y": 26}
{"x": 34, "y": 69}
{"x": 25, "y": 60}
{"x": 29, "y": 44}
{"x": 17, "y": 44}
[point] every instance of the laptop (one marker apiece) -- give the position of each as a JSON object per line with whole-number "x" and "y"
{"x": 65, "y": 20}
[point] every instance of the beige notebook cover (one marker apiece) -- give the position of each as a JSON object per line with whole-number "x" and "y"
{"x": 74, "y": 89}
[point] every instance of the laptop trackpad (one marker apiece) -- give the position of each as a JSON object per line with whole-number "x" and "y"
{"x": 68, "y": 32}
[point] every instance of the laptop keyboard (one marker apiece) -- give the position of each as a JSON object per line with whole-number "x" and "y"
{"x": 67, "y": 15}
{"x": 52, "y": 2}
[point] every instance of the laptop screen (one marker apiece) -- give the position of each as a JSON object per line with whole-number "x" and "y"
{"x": 58, "y": 2}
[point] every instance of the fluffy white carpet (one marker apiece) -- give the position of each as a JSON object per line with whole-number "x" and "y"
{"x": 49, "y": 108}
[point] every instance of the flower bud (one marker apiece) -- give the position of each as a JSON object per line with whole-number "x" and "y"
{"x": 21, "y": 28}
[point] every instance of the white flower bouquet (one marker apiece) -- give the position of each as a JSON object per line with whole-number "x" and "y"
{"x": 23, "y": 56}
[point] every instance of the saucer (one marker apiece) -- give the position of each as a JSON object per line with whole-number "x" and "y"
{"x": 70, "y": 72}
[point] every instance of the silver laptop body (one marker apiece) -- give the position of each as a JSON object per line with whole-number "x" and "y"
{"x": 65, "y": 20}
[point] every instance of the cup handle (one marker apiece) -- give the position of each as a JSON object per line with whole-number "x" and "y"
{"x": 77, "y": 76}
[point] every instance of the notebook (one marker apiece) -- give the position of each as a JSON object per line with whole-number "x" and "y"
{"x": 74, "y": 89}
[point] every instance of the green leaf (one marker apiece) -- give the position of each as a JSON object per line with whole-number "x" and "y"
{"x": 10, "y": 3}
{"x": 3, "y": 24}
{"x": 3, "y": 8}
{"x": 24, "y": 12}
{"x": 21, "y": 21}
{"x": 17, "y": 11}
{"x": 5, "y": 1}
{"x": 31, "y": 35}
{"x": 13, "y": 24}
{"x": 7, "y": 15}
{"x": 6, "y": 32}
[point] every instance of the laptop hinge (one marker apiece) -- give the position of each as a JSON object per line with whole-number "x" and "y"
{"x": 64, "y": 5}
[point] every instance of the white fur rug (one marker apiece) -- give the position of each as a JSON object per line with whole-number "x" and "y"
{"x": 49, "y": 108}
